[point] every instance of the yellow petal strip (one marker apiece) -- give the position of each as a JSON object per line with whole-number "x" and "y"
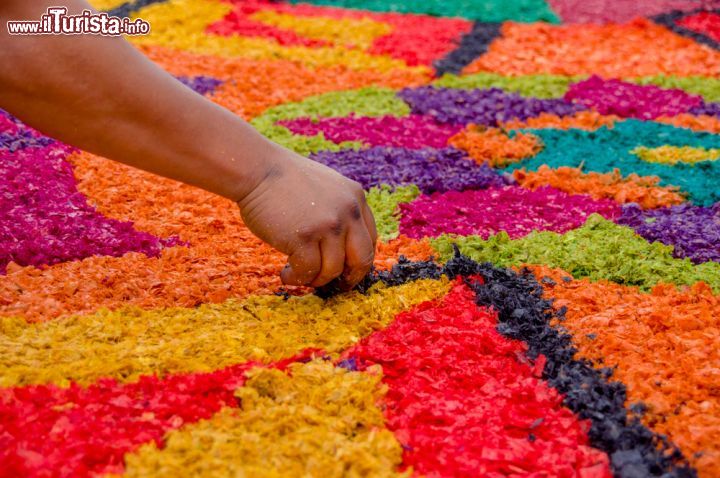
{"x": 676, "y": 154}
{"x": 182, "y": 24}
{"x": 316, "y": 421}
{"x": 348, "y": 32}
{"x": 125, "y": 344}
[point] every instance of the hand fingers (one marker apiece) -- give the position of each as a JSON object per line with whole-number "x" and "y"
{"x": 303, "y": 265}
{"x": 332, "y": 253}
{"x": 339, "y": 252}
{"x": 359, "y": 253}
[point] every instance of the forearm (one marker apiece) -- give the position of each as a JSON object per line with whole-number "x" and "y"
{"x": 102, "y": 95}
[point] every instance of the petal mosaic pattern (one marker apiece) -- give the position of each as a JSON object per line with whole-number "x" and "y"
{"x": 546, "y": 293}
{"x": 45, "y": 220}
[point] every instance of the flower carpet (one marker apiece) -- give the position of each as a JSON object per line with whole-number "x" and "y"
{"x": 546, "y": 293}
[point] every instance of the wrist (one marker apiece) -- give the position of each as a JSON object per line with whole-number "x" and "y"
{"x": 251, "y": 160}
{"x": 225, "y": 155}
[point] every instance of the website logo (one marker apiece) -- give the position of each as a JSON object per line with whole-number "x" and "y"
{"x": 56, "y": 21}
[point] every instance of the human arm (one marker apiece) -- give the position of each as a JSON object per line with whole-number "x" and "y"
{"x": 102, "y": 95}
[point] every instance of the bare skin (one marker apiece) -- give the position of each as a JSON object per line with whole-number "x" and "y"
{"x": 103, "y": 96}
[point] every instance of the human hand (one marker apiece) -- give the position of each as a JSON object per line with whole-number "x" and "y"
{"x": 316, "y": 216}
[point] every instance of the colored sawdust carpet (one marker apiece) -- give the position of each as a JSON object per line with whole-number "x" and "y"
{"x": 545, "y": 298}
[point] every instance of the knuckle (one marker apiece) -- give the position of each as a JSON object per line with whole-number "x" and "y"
{"x": 353, "y": 210}
{"x": 333, "y": 225}
{"x": 306, "y": 234}
{"x": 357, "y": 189}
